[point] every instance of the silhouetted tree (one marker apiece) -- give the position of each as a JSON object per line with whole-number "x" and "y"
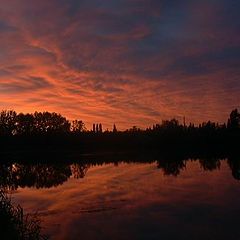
{"x": 208, "y": 125}
{"x": 51, "y": 123}
{"x": 8, "y": 122}
{"x": 25, "y": 124}
{"x": 77, "y": 126}
{"x": 173, "y": 123}
{"x": 134, "y": 129}
{"x": 114, "y": 128}
{"x": 100, "y": 128}
{"x": 234, "y": 119}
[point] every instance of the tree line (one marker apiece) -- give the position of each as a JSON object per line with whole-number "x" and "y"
{"x": 42, "y": 131}
{"x": 12, "y": 123}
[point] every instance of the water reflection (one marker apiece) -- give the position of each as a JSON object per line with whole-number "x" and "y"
{"x": 234, "y": 164}
{"x": 42, "y": 175}
{"x": 39, "y": 175}
{"x": 210, "y": 164}
{"x": 171, "y": 166}
{"x": 140, "y": 198}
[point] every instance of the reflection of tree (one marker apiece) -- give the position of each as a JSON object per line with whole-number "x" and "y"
{"x": 38, "y": 175}
{"x": 7, "y": 176}
{"x": 79, "y": 170}
{"x": 13, "y": 176}
{"x": 210, "y": 163}
{"x": 171, "y": 167}
{"x": 45, "y": 175}
{"x": 234, "y": 164}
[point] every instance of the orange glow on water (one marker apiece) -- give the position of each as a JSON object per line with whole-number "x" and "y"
{"x": 122, "y": 196}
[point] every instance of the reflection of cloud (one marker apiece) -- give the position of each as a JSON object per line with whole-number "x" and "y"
{"x": 128, "y": 62}
{"x": 142, "y": 196}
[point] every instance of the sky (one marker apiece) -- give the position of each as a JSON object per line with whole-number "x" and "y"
{"x": 128, "y": 62}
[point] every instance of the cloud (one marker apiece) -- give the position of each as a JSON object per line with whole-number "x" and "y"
{"x": 4, "y": 27}
{"x": 21, "y": 85}
{"x": 98, "y": 60}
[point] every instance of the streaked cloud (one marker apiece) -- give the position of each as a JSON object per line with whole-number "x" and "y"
{"x": 129, "y": 62}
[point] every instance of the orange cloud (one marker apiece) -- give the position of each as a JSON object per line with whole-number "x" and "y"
{"x": 127, "y": 63}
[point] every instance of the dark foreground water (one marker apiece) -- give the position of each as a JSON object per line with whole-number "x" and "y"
{"x": 185, "y": 200}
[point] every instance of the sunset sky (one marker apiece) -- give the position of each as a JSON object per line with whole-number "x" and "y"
{"x": 129, "y": 62}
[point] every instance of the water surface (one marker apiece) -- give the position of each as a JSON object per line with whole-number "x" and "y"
{"x": 150, "y": 200}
